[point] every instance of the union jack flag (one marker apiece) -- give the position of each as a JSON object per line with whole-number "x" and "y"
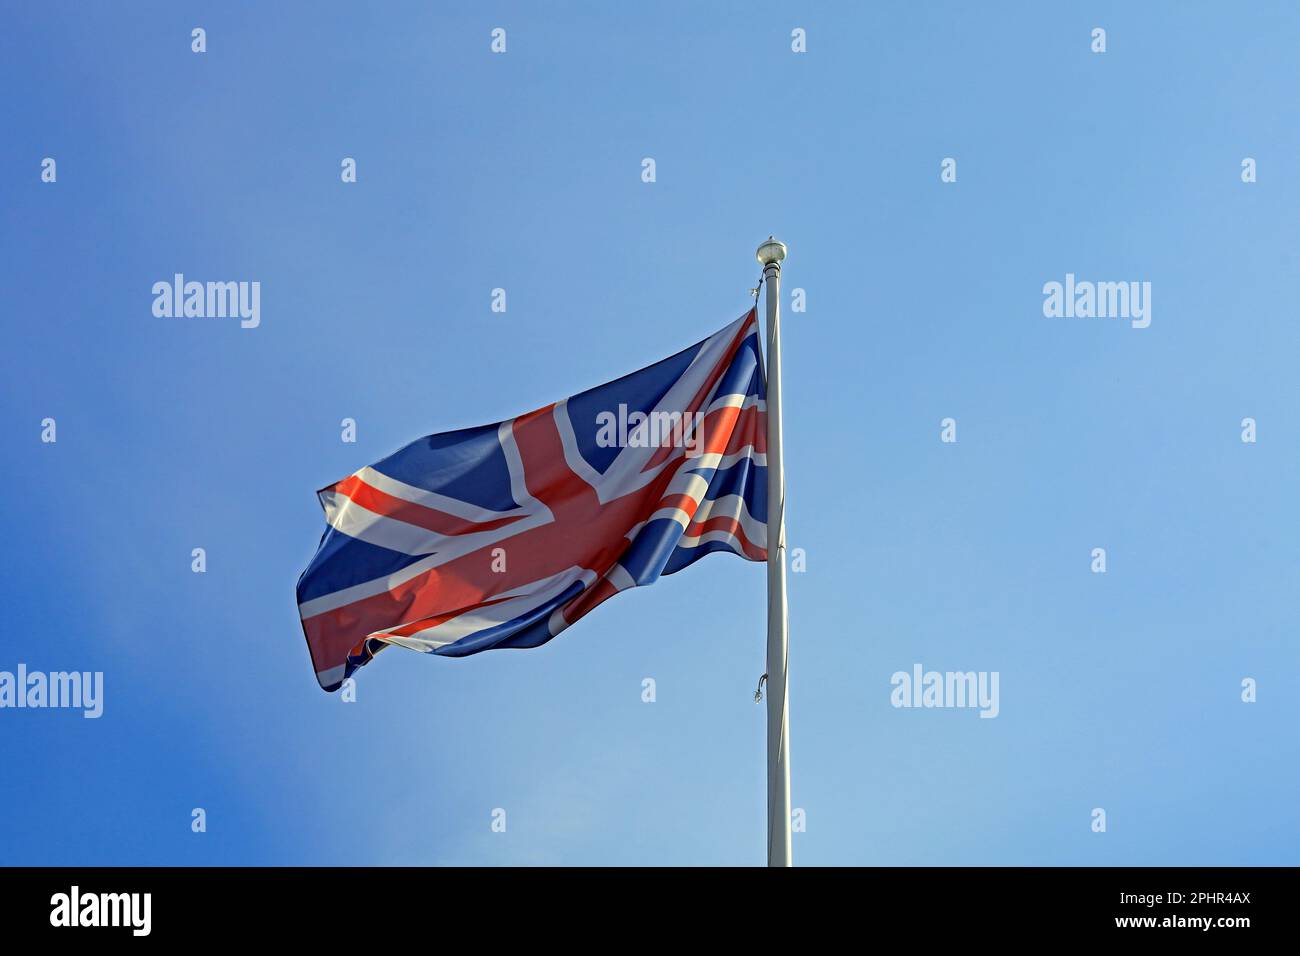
{"x": 506, "y": 534}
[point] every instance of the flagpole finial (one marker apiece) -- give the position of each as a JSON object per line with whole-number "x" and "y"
{"x": 771, "y": 251}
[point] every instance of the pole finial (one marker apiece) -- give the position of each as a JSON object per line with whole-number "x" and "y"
{"x": 771, "y": 251}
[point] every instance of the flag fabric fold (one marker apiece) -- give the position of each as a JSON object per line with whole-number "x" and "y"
{"x": 504, "y": 535}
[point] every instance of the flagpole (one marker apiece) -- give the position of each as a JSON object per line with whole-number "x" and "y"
{"x": 770, "y": 255}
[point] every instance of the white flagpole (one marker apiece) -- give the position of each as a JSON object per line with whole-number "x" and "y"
{"x": 770, "y": 255}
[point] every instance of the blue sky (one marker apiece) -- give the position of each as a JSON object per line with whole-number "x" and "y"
{"x": 523, "y": 171}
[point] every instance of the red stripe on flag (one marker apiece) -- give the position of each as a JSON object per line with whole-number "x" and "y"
{"x": 382, "y": 503}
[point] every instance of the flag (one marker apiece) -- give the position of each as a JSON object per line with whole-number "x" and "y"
{"x": 506, "y": 534}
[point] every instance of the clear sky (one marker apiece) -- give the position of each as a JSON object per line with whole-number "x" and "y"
{"x": 523, "y": 171}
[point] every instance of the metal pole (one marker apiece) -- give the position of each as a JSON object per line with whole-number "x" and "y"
{"x": 770, "y": 255}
